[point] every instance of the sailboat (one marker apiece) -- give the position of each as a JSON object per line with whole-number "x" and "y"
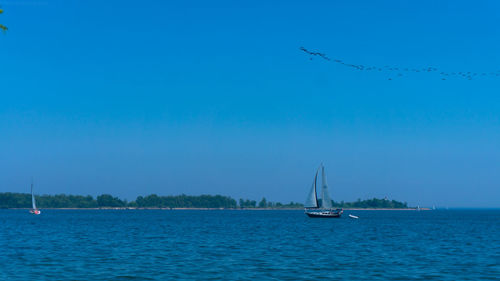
{"x": 312, "y": 208}
{"x": 33, "y": 210}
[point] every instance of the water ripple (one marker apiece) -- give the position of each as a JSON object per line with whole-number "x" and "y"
{"x": 249, "y": 245}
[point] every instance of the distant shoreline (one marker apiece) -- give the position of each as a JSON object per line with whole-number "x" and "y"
{"x": 231, "y": 209}
{"x": 177, "y": 202}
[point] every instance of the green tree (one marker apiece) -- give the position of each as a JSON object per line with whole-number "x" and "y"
{"x": 263, "y": 203}
{"x": 3, "y": 27}
{"x": 107, "y": 200}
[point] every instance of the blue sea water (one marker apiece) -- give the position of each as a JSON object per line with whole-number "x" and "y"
{"x": 249, "y": 245}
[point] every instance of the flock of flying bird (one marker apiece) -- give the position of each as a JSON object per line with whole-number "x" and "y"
{"x": 399, "y": 71}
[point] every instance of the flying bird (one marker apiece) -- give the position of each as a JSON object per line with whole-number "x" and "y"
{"x": 396, "y": 70}
{"x": 314, "y": 53}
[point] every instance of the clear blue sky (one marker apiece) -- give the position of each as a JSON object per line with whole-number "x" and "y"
{"x": 214, "y": 97}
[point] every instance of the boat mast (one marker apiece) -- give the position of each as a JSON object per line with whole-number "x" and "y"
{"x": 315, "y": 181}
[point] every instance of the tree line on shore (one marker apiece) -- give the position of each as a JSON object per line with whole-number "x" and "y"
{"x": 23, "y": 200}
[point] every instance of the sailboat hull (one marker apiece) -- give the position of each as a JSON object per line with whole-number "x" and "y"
{"x": 325, "y": 214}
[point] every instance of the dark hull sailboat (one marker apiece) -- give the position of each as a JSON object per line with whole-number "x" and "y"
{"x": 312, "y": 208}
{"x": 325, "y": 214}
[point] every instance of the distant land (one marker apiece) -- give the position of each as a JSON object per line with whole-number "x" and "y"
{"x": 63, "y": 201}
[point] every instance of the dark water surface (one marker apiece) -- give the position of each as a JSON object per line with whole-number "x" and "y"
{"x": 249, "y": 245}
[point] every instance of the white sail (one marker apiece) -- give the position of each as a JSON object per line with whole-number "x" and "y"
{"x": 312, "y": 199}
{"x": 325, "y": 195}
{"x": 33, "y": 198}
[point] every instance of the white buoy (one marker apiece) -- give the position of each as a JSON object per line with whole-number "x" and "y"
{"x": 353, "y": 216}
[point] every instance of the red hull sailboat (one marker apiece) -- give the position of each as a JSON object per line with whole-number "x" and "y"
{"x": 33, "y": 210}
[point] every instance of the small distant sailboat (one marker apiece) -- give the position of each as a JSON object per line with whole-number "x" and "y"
{"x": 312, "y": 208}
{"x": 34, "y": 210}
